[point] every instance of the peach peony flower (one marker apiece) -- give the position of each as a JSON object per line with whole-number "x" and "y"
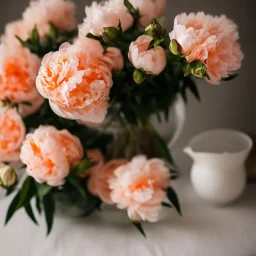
{"x": 49, "y": 154}
{"x": 105, "y": 14}
{"x": 212, "y": 40}
{"x": 97, "y": 157}
{"x": 139, "y": 187}
{"x": 151, "y": 61}
{"x": 77, "y": 83}
{"x": 41, "y": 12}
{"x": 12, "y": 134}
{"x": 103, "y": 177}
{"x": 15, "y": 28}
{"x": 18, "y": 71}
{"x": 116, "y": 58}
{"x": 149, "y": 10}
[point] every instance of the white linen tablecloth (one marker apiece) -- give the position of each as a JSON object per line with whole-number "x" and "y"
{"x": 204, "y": 230}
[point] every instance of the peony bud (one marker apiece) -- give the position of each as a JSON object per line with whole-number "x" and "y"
{"x": 154, "y": 30}
{"x": 175, "y": 47}
{"x": 111, "y": 34}
{"x": 7, "y": 176}
{"x": 196, "y": 68}
{"x": 138, "y": 76}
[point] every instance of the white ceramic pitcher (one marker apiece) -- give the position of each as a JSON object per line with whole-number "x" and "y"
{"x": 218, "y": 173}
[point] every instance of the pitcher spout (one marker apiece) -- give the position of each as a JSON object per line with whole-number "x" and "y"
{"x": 189, "y": 152}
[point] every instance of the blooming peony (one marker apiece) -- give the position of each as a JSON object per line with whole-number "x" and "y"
{"x": 212, "y": 40}
{"x": 15, "y": 28}
{"x": 77, "y": 83}
{"x": 49, "y": 154}
{"x": 151, "y": 61}
{"x": 12, "y": 134}
{"x": 97, "y": 157}
{"x": 41, "y": 12}
{"x": 149, "y": 10}
{"x": 103, "y": 177}
{"x": 105, "y": 14}
{"x": 18, "y": 71}
{"x": 139, "y": 187}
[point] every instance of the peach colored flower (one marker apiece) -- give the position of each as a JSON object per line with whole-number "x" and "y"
{"x": 105, "y": 14}
{"x": 49, "y": 154}
{"x": 139, "y": 187}
{"x": 212, "y": 40}
{"x": 112, "y": 56}
{"x": 103, "y": 177}
{"x": 18, "y": 71}
{"x": 77, "y": 83}
{"x": 97, "y": 157}
{"x": 151, "y": 61}
{"x": 12, "y": 134}
{"x": 116, "y": 58}
{"x": 15, "y": 28}
{"x": 41, "y": 12}
{"x": 149, "y": 10}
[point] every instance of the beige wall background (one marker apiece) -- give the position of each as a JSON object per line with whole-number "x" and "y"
{"x": 229, "y": 105}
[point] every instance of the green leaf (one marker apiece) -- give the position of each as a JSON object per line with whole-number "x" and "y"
{"x": 27, "y": 103}
{"x": 38, "y": 205}
{"x": 130, "y": 7}
{"x": 163, "y": 149}
{"x": 158, "y": 42}
{"x": 30, "y": 213}
{"x": 49, "y": 210}
{"x": 12, "y": 208}
{"x": 166, "y": 205}
{"x": 26, "y": 192}
{"x": 43, "y": 189}
{"x": 139, "y": 227}
{"x": 35, "y": 36}
{"x": 83, "y": 166}
{"x": 53, "y": 32}
{"x": 151, "y": 44}
{"x": 172, "y": 196}
{"x": 91, "y": 36}
{"x": 194, "y": 90}
{"x": 75, "y": 182}
{"x": 229, "y": 78}
{"x": 11, "y": 189}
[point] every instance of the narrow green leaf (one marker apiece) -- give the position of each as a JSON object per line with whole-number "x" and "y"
{"x": 25, "y": 191}
{"x": 172, "y": 196}
{"x": 75, "y": 182}
{"x": 83, "y": 166}
{"x": 230, "y": 77}
{"x": 158, "y": 42}
{"x": 163, "y": 149}
{"x": 139, "y": 227}
{"x": 30, "y": 213}
{"x": 11, "y": 189}
{"x": 38, "y": 205}
{"x": 91, "y": 36}
{"x": 166, "y": 205}
{"x": 130, "y": 7}
{"x": 49, "y": 210}
{"x": 43, "y": 189}
{"x": 151, "y": 44}
{"x": 12, "y": 208}
{"x": 27, "y": 103}
{"x": 35, "y": 36}
{"x": 193, "y": 88}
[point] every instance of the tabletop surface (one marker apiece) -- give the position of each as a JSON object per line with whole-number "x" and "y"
{"x": 204, "y": 230}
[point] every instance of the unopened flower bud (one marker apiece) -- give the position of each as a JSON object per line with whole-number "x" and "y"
{"x": 196, "y": 68}
{"x": 7, "y": 176}
{"x": 138, "y": 76}
{"x": 174, "y": 47}
{"x": 154, "y": 30}
{"x": 111, "y": 34}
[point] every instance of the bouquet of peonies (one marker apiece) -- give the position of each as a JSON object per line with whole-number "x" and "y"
{"x": 62, "y": 89}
